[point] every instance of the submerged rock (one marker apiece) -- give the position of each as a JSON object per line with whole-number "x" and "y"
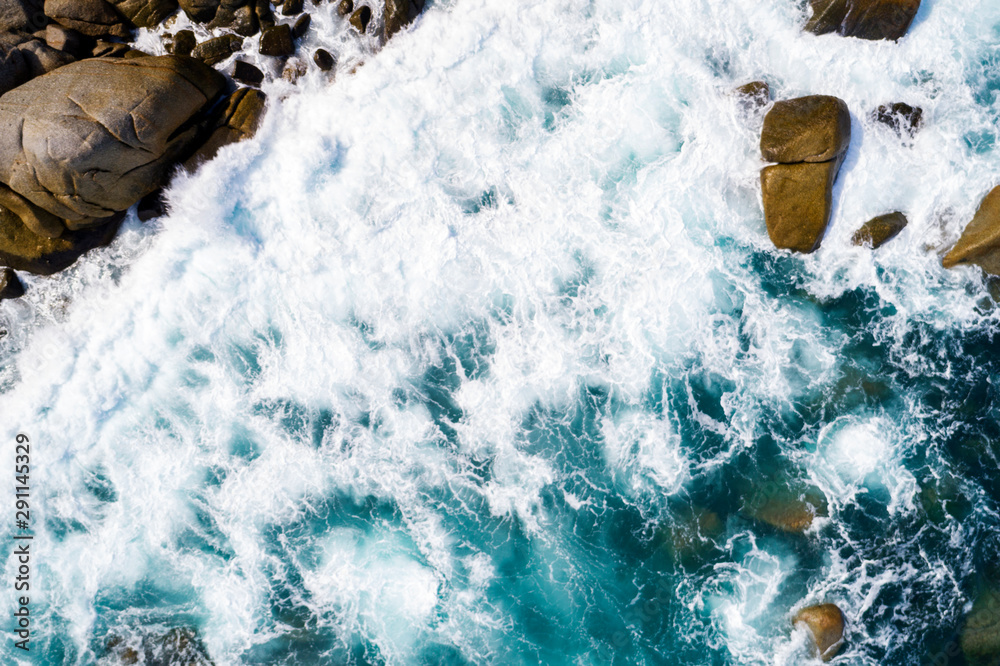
{"x": 179, "y": 646}
{"x": 10, "y": 285}
{"x": 93, "y": 137}
{"x": 879, "y": 230}
{"x": 980, "y": 638}
{"x": 816, "y": 128}
{"x": 798, "y": 200}
{"x": 902, "y": 118}
{"x": 826, "y": 624}
{"x": 345, "y": 8}
{"x": 866, "y": 19}
{"x": 693, "y": 535}
{"x": 980, "y": 241}
{"x": 787, "y": 506}
{"x": 400, "y": 13}
{"x": 754, "y": 95}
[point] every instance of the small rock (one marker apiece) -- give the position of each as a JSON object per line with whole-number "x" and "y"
{"x": 324, "y": 60}
{"x": 199, "y": 11}
{"x": 183, "y": 43}
{"x": 816, "y": 128}
{"x": 826, "y": 624}
{"x": 361, "y": 17}
{"x": 754, "y": 95}
{"x": 301, "y": 26}
{"x": 294, "y": 69}
{"x": 246, "y": 73}
{"x": 866, "y": 19}
{"x": 10, "y": 284}
{"x": 400, "y": 13}
{"x": 277, "y": 41}
{"x": 879, "y": 230}
{"x": 980, "y": 241}
{"x": 291, "y": 7}
{"x": 345, "y": 7}
{"x": 150, "y": 206}
{"x": 217, "y": 49}
{"x": 902, "y": 118}
{"x": 798, "y": 200}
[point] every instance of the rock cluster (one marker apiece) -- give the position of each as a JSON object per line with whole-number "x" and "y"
{"x": 866, "y": 19}
{"x": 808, "y": 138}
{"x": 90, "y": 125}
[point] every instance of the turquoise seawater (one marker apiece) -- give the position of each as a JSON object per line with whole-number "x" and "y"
{"x": 481, "y": 355}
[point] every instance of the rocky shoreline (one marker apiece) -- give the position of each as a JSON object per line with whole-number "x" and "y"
{"x": 93, "y": 125}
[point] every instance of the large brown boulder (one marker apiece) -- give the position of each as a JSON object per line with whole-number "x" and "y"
{"x": 93, "y": 137}
{"x": 826, "y": 624}
{"x": 867, "y": 19}
{"x": 95, "y": 18}
{"x": 816, "y": 128}
{"x": 980, "y": 242}
{"x": 24, "y": 250}
{"x": 399, "y": 13}
{"x": 798, "y": 200}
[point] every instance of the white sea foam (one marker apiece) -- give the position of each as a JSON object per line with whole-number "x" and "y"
{"x": 568, "y": 180}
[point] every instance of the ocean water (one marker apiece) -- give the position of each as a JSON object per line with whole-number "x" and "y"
{"x": 478, "y": 352}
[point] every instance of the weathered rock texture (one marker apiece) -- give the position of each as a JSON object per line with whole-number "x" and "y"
{"x": 399, "y": 13}
{"x": 808, "y": 137}
{"x": 980, "y": 242}
{"x": 236, "y": 120}
{"x": 826, "y": 624}
{"x": 93, "y": 137}
{"x": 879, "y": 230}
{"x": 867, "y": 19}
